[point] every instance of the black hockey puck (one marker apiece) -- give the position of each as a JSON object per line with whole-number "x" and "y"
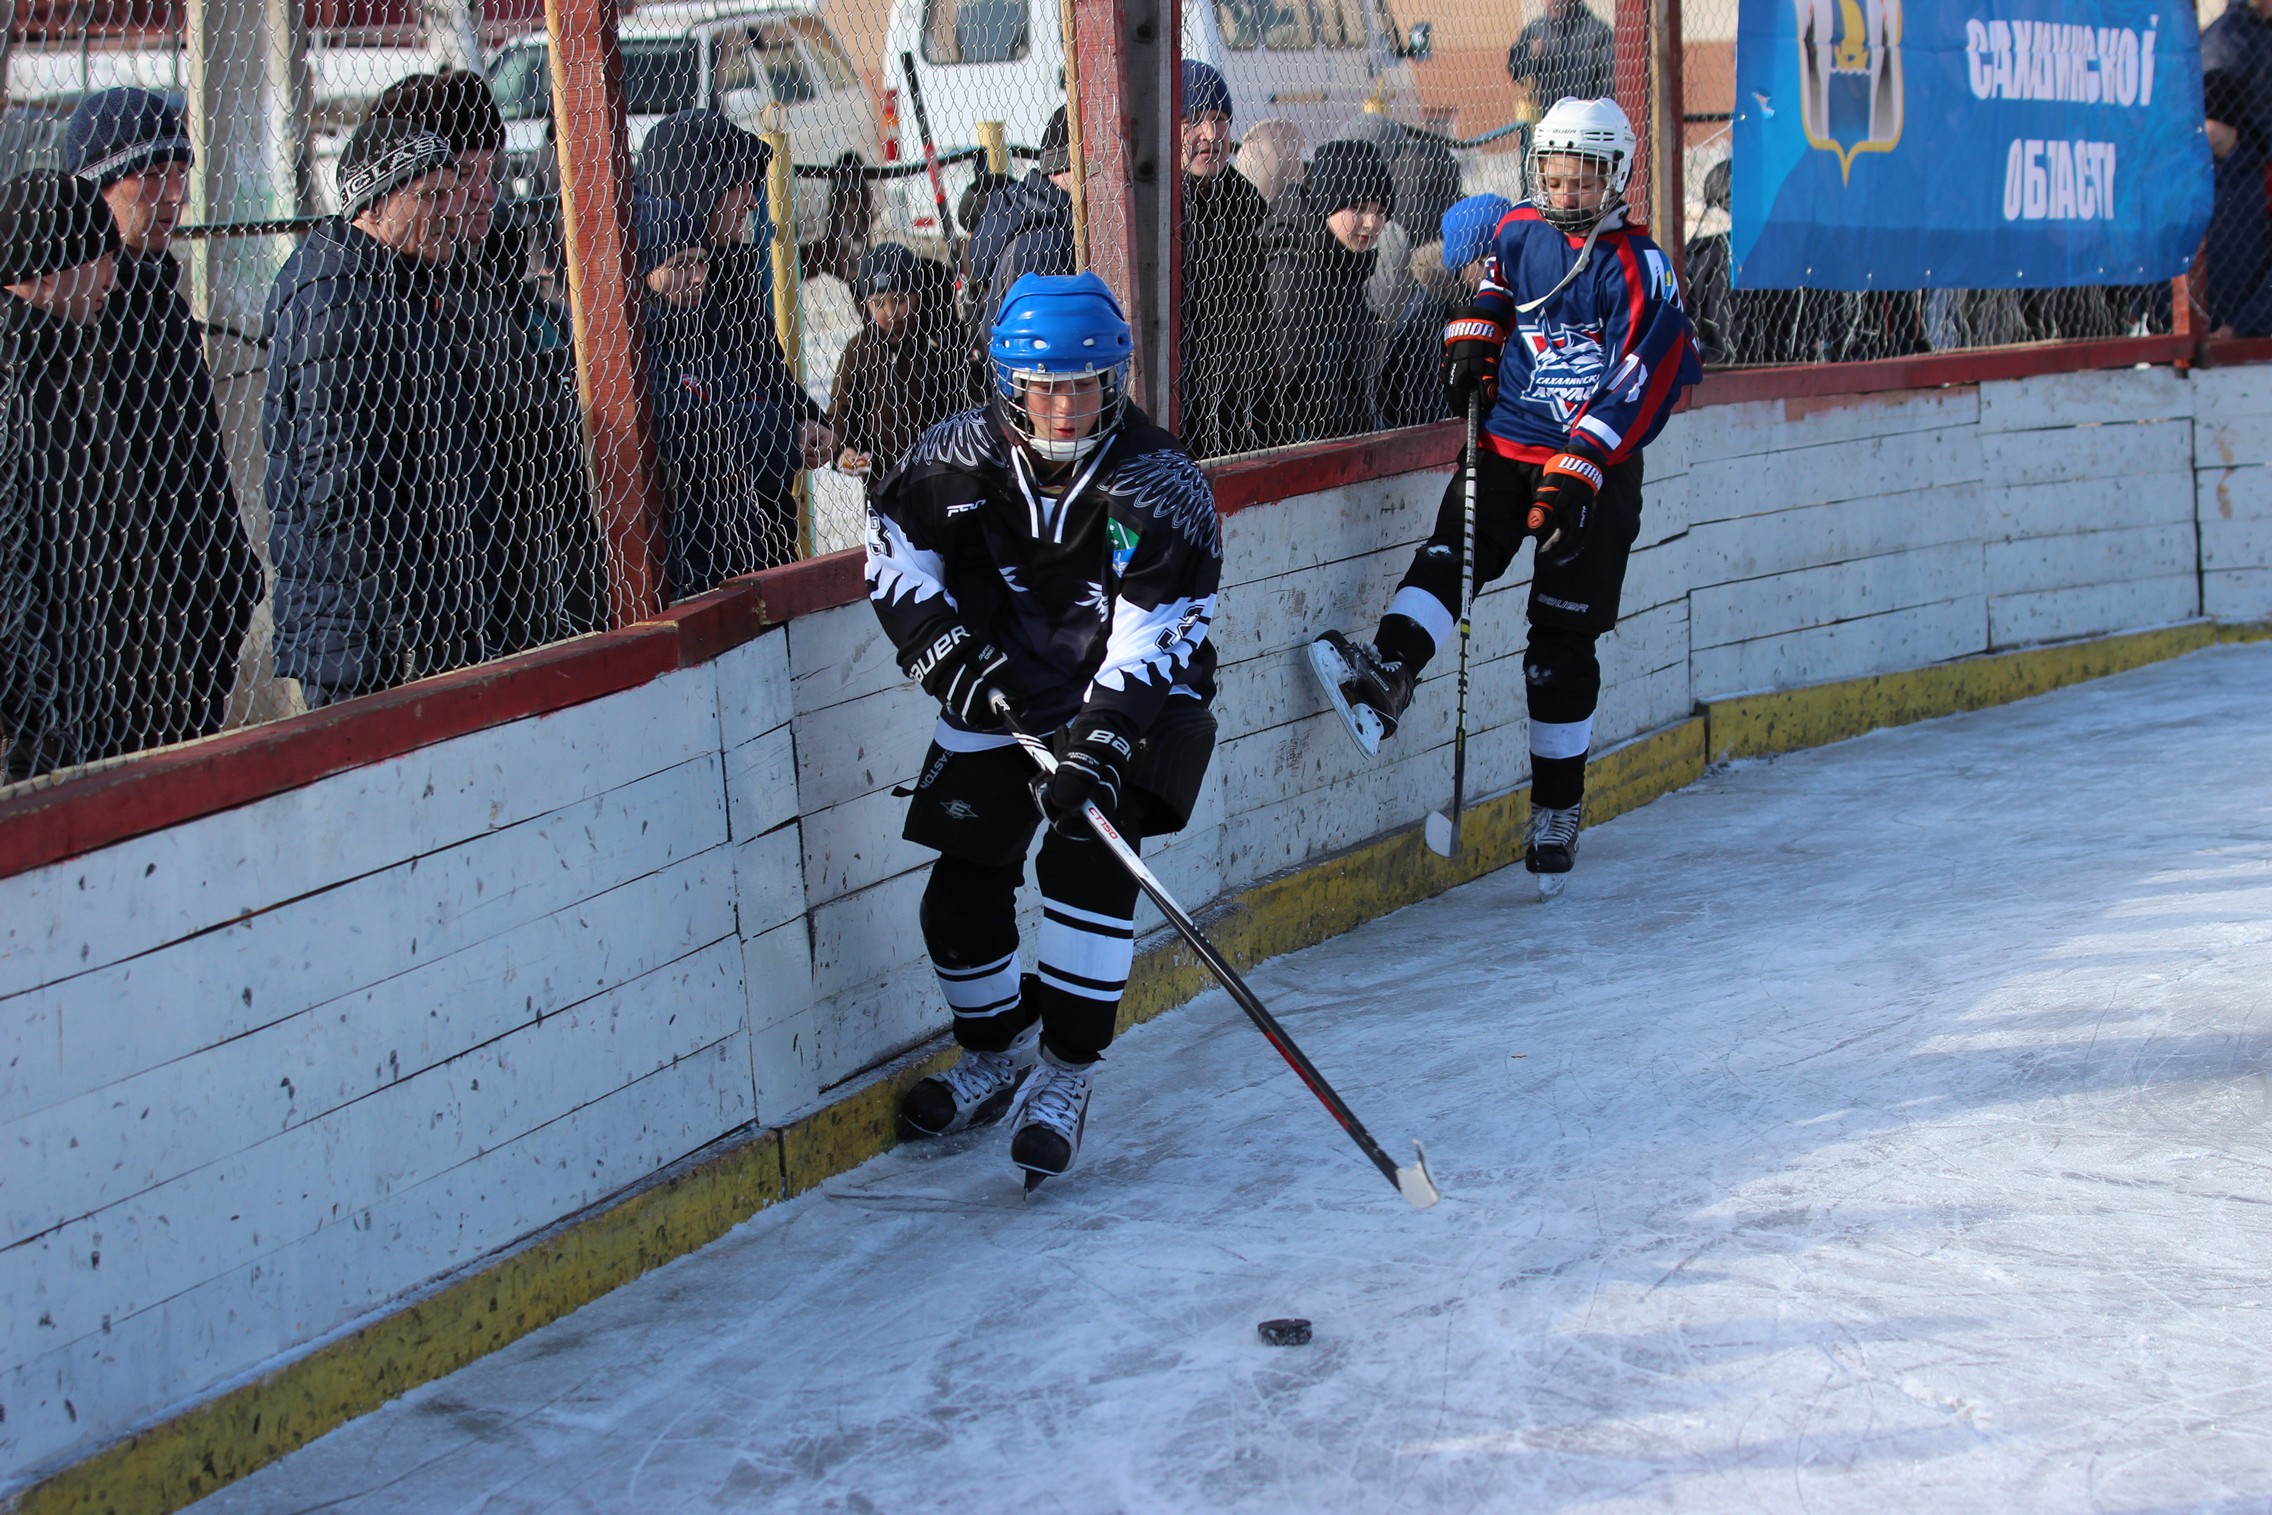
{"x": 1284, "y": 1333}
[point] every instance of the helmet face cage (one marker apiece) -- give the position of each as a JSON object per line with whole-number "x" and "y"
{"x": 1112, "y": 391}
{"x": 1593, "y": 129}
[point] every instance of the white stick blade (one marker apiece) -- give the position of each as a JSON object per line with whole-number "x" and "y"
{"x": 1442, "y": 834}
{"x": 1418, "y": 1189}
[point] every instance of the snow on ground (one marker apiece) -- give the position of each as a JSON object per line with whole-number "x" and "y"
{"x": 1879, "y": 1128}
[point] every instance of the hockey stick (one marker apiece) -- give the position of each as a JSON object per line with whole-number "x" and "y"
{"x": 1442, "y": 830}
{"x": 931, "y": 157}
{"x": 1413, "y": 1182}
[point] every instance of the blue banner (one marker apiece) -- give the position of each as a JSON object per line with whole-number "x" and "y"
{"x": 1966, "y": 144}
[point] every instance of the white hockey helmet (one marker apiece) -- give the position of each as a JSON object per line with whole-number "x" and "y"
{"x": 1597, "y": 129}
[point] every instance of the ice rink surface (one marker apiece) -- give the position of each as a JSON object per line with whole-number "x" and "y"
{"x": 1884, "y": 1127}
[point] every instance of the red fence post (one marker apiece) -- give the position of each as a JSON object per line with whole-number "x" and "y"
{"x": 1630, "y": 73}
{"x": 603, "y": 293}
{"x": 1669, "y": 139}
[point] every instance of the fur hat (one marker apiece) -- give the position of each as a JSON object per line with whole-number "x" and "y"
{"x": 1346, "y": 173}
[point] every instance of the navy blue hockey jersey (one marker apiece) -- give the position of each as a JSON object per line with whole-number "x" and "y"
{"x": 1598, "y": 368}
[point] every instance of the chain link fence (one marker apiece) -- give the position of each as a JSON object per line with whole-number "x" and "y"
{"x": 347, "y": 420}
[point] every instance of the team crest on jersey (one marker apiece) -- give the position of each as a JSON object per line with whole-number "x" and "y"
{"x": 1566, "y": 365}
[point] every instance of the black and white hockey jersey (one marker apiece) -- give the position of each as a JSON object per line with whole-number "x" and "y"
{"x": 1101, "y": 591}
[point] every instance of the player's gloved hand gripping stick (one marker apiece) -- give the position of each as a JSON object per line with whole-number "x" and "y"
{"x": 1412, "y": 1182}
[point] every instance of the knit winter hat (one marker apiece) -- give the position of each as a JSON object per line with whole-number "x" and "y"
{"x": 1468, "y": 227}
{"x": 116, "y": 133}
{"x": 51, "y": 221}
{"x": 382, "y": 157}
{"x": 887, "y": 268}
{"x": 695, "y": 156}
{"x": 1345, "y": 174}
{"x": 660, "y": 228}
{"x": 1056, "y": 145}
{"x": 1204, "y": 92}
{"x": 455, "y": 105}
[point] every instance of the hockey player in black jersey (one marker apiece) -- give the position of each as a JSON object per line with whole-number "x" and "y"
{"x": 1576, "y": 350}
{"x": 1057, "y": 549}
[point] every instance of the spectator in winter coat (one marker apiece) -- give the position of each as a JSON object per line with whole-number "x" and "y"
{"x": 905, "y": 371}
{"x": 1423, "y": 181}
{"x": 1445, "y": 277}
{"x": 74, "y": 569}
{"x": 538, "y": 531}
{"x": 377, "y": 474}
{"x": 2236, "y": 89}
{"x": 1568, "y": 51}
{"x": 728, "y": 454}
{"x": 129, "y": 144}
{"x": 1223, "y": 352}
{"x": 1270, "y": 158}
{"x": 706, "y": 164}
{"x": 1319, "y": 248}
{"x": 1026, "y": 228}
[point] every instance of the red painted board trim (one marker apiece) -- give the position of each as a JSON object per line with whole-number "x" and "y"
{"x": 2230, "y": 352}
{"x": 711, "y": 625}
{"x": 1267, "y": 477}
{"x": 161, "y": 789}
{"x": 824, "y": 583}
{"x": 1934, "y": 369}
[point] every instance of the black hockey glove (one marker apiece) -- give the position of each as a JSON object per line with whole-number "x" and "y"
{"x": 1562, "y": 507}
{"x": 1090, "y": 772}
{"x": 1472, "y": 342}
{"x": 964, "y": 674}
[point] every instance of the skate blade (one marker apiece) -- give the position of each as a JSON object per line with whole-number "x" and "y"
{"x": 1363, "y": 726}
{"x": 1442, "y": 833}
{"x": 1414, "y": 1183}
{"x": 1034, "y": 1178}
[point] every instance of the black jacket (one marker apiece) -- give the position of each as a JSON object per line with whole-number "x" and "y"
{"x": 377, "y": 472}
{"x": 208, "y": 580}
{"x": 1326, "y": 338}
{"x": 543, "y": 573}
{"x": 1224, "y": 366}
{"x": 888, "y": 393}
{"x": 1100, "y": 596}
{"x": 727, "y": 453}
{"x": 1565, "y": 56}
{"x": 1026, "y": 228}
{"x": 78, "y": 621}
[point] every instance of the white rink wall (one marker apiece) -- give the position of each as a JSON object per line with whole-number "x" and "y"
{"x": 276, "y": 1069}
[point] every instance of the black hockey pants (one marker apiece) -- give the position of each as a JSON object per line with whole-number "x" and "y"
{"x": 1570, "y": 607}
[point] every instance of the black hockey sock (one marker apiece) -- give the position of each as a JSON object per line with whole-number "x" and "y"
{"x": 970, "y": 927}
{"x": 1088, "y": 940}
{"x": 1557, "y": 783}
{"x": 1402, "y": 640}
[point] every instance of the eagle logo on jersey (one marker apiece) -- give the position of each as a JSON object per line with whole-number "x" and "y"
{"x": 1566, "y": 364}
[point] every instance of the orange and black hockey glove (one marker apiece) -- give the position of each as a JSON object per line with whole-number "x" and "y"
{"x": 1472, "y": 341}
{"x": 1562, "y": 507}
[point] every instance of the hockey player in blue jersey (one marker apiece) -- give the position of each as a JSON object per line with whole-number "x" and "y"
{"x": 1058, "y": 550}
{"x": 1577, "y": 348}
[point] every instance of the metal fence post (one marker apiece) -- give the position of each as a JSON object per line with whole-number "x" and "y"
{"x": 1668, "y": 214}
{"x": 603, "y": 291}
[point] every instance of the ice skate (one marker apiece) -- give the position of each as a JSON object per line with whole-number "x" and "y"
{"x": 1550, "y": 846}
{"x": 1052, "y": 1110}
{"x": 1368, "y": 692}
{"x": 974, "y": 1092}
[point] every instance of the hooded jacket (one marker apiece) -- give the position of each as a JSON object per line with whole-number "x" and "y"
{"x": 376, "y": 472}
{"x": 78, "y": 624}
{"x": 208, "y": 581}
{"x": 1026, "y": 228}
{"x": 1223, "y": 365}
{"x": 1326, "y": 339}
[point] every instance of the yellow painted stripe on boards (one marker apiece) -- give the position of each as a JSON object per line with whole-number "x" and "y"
{"x": 1759, "y": 725}
{"x": 187, "y": 1457}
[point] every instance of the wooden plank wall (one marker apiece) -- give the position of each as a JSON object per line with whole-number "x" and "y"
{"x": 275, "y": 1069}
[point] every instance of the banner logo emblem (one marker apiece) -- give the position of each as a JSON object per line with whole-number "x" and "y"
{"x": 1850, "y": 77}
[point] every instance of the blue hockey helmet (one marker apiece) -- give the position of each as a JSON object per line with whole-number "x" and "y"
{"x": 1054, "y": 328}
